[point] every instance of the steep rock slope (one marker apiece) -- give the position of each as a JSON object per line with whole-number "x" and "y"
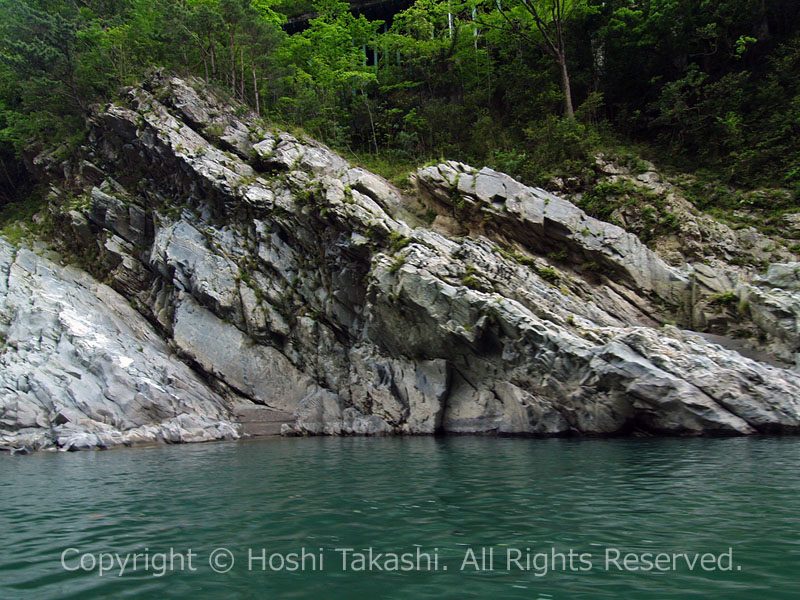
{"x": 722, "y": 258}
{"x": 292, "y": 280}
{"x": 80, "y": 368}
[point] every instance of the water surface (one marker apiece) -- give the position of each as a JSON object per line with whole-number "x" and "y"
{"x": 278, "y": 496}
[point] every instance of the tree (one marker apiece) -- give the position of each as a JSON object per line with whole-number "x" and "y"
{"x": 548, "y": 18}
{"x": 436, "y": 78}
{"x": 327, "y": 71}
{"x": 39, "y": 47}
{"x": 260, "y": 35}
{"x": 203, "y": 20}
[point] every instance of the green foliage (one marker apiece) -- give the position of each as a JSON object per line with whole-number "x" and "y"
{"x": 398, "y": 242}
{"x": 391, "y": 165}
{"x": 397, "y": 264}
{"x": 471, "y": 282}
{"x": 714, "y": 83}
{"x": 17, "y": 223}
{"x": 724, "y": 299}
{"x": 559, "y": 147}
{"x": 549, "y": 275}
{"x": 326, "y": 81}
{"x": 649, "y": 216}
{"x": 714, "y": 86}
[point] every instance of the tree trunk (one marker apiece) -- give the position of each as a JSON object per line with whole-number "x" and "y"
{"x": 255, "y": 89}
{"x": 74, "y": 89}
{"x": 71, "y": 82}
{"x": 371, "y": 122}
{"x": 763, "y": 31}
{"x": 241, "y": 75}
{"x": 598, "y": 62}
{"x": 8, "y": 175}
{"x": 569, "y": 111}
{"x": 449, "y": 20}
{"x": 233, "y": 65}
{"x": 213, "y": 62}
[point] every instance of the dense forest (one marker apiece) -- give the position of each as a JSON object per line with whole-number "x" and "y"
{"x": 532, "y": 87}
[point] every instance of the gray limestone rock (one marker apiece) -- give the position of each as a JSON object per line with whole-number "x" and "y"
{"x": 290, "y": 279}
{"x": 259, "y": 372}
{"x": 773, "y": 302}
{"x": 81, "y": 369}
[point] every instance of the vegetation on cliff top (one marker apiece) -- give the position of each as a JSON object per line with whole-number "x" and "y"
{"x": 531, "y": 87}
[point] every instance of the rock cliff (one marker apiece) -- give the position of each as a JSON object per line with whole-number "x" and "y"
{"x": 245, "y": 266}
{"x": 81, "y": 368}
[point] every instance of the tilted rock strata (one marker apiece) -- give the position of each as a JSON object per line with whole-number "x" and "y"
{"x": 720, "y": 259}
{"x": 543, "y": 222}
{"x": 773, "y": 302}
{"x": 290, "y": 279}
{"x": 81, "y": 369}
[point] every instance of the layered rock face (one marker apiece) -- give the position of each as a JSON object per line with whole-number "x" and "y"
{"x": 723, "y": 261}
{"x": 774, "y": 303}
{"x": 290, "y": 279}
{"x": 80, "y": 368}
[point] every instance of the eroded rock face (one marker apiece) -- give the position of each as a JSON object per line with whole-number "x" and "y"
{"x": 537, "y": 220}
{"x": 720, "y": 259}
{"x": 293, "y": 280}
{"x": 81, "y": 369}
{"x": 773, "y": 302}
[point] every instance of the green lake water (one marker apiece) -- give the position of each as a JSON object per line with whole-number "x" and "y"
{"x": 257, "y": 503}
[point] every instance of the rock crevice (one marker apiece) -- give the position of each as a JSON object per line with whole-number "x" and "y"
{"x": 294, "y": 282}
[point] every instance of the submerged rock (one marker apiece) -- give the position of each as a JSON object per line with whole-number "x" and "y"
{"x": 287, "y": 278}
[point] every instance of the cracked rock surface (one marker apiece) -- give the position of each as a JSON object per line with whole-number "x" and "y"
{"x": 81, "y": 369}
{"x": 280, "y": 275}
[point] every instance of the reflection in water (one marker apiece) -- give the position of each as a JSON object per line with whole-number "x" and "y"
{"x": 398, "y": 494}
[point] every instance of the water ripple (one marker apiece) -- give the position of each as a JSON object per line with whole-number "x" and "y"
{"x": 402, "y": 493}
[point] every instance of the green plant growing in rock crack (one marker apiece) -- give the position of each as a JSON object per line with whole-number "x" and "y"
{"x": 548, "y": 274}
{"x": 397, "y": 242}
{"x": 606, "y": 198}
{"x": 397, "y": 264}
{"x": 724, "y": 300}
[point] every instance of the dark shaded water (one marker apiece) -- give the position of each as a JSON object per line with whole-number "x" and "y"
{"x": 395, "y": 495}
